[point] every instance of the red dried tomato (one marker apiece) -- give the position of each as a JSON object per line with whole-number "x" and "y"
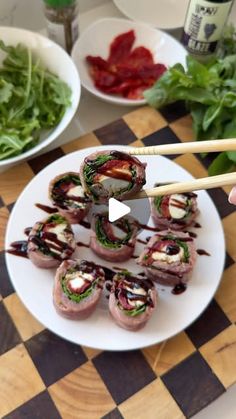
{"x": 126, "y": 72}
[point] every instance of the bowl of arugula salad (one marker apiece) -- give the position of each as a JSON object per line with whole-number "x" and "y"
{"x": 39, "y": 93}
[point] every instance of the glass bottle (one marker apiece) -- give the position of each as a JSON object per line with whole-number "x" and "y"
{"x": 203, "y": 26}
{"x": 62, "y": 21}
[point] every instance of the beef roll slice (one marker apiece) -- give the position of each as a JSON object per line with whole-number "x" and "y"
{"x": 169, "y": 257}
{"x": 51, "y": 241}
{"x": 68, "y": 196}
{"x": 132, "y": 300}
{"x": 107, "y": 174}
{"x": 115, "y": 241}
{"x": 176, "y": 211}
{"x": 77, "y": 288}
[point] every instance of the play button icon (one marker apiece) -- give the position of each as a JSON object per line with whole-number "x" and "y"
{"x": 116, "y": 210}
{"x": 138, "y": 209}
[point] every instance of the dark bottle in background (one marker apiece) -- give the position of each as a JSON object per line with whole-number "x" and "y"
{"x": 204, "y": 23}
{"x": 62, "y": 21}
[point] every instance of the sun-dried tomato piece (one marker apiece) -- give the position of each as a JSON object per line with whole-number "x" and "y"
{"x": 124, "y": 86}
{"x": 103, "y": 79}
{"x": 120, "y": 47}
{"x": 155, "y": 71}
{"x": 140, "y": 56}
{"x": 136, "y": 93}
{"x": 98, "y": 62}
{"x": 145, "y": 72}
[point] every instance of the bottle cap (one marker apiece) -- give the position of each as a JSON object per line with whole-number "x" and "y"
{"x": 59, "y": 3}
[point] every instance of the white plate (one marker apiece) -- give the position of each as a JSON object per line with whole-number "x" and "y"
{"x": 173, "y": 313}
{"x": 162, "y": 14}
{"x": 96, "y": 39}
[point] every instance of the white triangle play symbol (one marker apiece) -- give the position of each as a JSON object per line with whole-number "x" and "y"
{"x": 116, "y": 210}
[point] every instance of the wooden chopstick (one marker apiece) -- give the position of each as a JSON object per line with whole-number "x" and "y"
{"x": 189, "y": 186}
{"x": 182, "y": 148}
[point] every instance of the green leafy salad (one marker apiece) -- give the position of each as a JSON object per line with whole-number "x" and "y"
{"x": 209, "y": 91}
{"x": 31, "y": 100}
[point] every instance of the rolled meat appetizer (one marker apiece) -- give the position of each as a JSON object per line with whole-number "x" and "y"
{"x": 132, "y": 301}
{"x": 176, "y": 211}
{"x": 169, "y": 257}
{"x": 115, "y": 241}
{"x": 68, "y": 196}
{"x": 50, "y": 242}
{"x": 107, "y": 174}
{"x": 77, "y": 288}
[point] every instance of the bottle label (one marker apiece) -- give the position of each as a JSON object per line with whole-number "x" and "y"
{"x": 56, "y": 32}
{"x": 204, "y": 25}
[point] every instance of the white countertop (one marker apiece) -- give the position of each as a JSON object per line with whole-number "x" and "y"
{"x": 92, "y": 114}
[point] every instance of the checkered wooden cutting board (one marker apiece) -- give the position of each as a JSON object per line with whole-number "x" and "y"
{"x": 45, "y": 377}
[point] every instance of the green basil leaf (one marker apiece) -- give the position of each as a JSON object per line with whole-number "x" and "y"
{"x": 221, "y": 164}
{"x": 231, "y": 155}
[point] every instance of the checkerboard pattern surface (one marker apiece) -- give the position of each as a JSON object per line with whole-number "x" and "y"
{"x": 43, "y": 376}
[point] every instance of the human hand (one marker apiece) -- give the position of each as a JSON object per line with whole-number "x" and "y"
{"x": 232, "y": 196}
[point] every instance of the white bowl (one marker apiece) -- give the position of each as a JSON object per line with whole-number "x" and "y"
{"x": 162, "y": 14}
{"x": 96, "y": 39}
{"x": 58, "y": 62}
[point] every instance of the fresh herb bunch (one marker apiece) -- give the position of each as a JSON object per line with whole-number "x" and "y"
{"x": 227, "y": 44}
{"x": 31, "y": 100}
{"x": 209, "y": 91}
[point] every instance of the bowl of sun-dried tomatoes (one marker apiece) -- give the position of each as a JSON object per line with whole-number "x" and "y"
{"x": 118, "y": 59}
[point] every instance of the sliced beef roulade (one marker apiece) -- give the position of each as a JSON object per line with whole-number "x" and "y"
{"x": 132, "y": 300}
{"x": 115, "y": 241}
{"x": 77, "y": 288}
{"x": 176, "y": 211}
{"x": 51, "y": 241}
{"x": 107, "y": 174}
{"x": 169, "y": 257}
{"x": 68, "y": 196}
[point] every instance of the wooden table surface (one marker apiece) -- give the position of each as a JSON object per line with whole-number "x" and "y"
{"x": 42, "y": 376}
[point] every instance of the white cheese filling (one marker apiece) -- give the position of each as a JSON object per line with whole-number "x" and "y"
{"x": 118, "y": 233}
{"x": 113, "y": 184}
{"x": 175, "y": 212}
{"x": 77, "y": 191}
{"x": 136, "y": 291}
{"x": 59, "y": 230}
{"x": 135, "y": 303}
{"x": 77, "y": 279}
{"x": 163, "y": 257}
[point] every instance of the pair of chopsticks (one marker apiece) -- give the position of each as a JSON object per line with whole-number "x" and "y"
{"x": 182, "y": 148}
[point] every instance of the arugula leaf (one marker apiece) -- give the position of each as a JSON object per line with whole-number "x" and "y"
{"x": 57, "y": 219}
{"x": 185, "y": 249}
{"x": 157, "y": 203}
{"x": 90, "y": 168}
{"x": 135, "y": 311}
{"x": 105, "y": 241}
{"x": 31, "y": 100}
{"x": 6, "y": 90}
{"x": 77, "y": 297}
{"x": 181, "y": 244}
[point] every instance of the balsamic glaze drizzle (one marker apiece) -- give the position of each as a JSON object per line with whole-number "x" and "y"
{"x": 179, "y": 289}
